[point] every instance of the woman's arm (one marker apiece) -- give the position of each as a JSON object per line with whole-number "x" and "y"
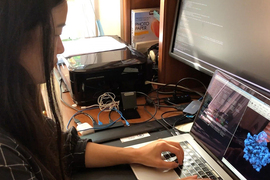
{"x": 97, "y": 155}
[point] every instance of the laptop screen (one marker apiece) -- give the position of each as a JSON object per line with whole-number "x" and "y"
{"x": 234, "y": 125}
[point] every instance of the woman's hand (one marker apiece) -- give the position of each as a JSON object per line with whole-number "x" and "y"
{"x": 150, "y": 154}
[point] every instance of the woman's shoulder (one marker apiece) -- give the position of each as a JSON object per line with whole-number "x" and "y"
{"x": 7, "y": 143}
{"x": 15, "y": 161}
{"x": 10, "y": 148}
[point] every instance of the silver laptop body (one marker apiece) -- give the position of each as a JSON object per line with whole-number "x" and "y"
{"x": 230, "y": 132}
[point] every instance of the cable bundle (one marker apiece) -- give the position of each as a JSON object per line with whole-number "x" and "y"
{"x": 107, "y": 102}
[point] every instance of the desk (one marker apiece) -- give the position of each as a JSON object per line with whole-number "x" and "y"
{"x": 118, "y": 172}
{"x": 113, "y": 172}
{"x": 68, "y": 112}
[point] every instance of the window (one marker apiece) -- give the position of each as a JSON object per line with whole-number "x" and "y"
{"x": 80, "y": 21}
{"x": 83, "y": 15}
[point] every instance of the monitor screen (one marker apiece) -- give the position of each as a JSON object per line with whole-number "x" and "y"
{"x": 232, "y": 36}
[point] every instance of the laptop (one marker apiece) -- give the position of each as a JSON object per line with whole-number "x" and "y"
{"x": 229, "y": 138}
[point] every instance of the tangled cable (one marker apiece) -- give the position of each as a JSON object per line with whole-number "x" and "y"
{"x": 107, "y": 102}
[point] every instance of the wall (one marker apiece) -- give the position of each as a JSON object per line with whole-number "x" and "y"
{"x": 109, "y": 13}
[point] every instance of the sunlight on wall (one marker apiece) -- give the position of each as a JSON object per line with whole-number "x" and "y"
{"x": 109, "y": 14}
{"x": 81, "y": 18}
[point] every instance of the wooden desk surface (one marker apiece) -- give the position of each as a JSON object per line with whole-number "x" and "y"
{"x": 67, "y": 112}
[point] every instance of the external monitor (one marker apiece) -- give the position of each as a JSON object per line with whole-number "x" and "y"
{"x": 232, "y": 36}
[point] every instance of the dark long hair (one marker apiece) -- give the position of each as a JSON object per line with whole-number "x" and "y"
{"x": 20, "y": 100}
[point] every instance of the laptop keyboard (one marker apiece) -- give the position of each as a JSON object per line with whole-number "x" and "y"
{"x": 193, "y": 164}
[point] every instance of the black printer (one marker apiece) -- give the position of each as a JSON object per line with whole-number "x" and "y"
{"x": 116, "y": 71}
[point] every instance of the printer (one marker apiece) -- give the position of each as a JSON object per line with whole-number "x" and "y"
{"x": 116, "y": 68}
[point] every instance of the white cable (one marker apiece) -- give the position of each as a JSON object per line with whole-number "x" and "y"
{"x": 107, "y": 102}
{"x": 86, "y": 107}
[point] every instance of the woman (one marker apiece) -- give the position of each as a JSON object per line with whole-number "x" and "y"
{"x": 32, "y": 146}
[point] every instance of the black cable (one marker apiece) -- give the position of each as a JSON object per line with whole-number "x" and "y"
{"x": 172, "y": 133}
{"x": 110, "y": 120}
{"x": 161, "y": 87}
{"x": 90, "y": 117}
{"x": 158, "y": 100}
{"x": 153, "y": 115}
{"x": 175, "y": 106}
{"x": 187, "y": 78}
{"x": 173, "y": 127}
{"x": 167, "y": 100}
{"x": 66, "y": 104}
{"x": 184, "y": 120}
{"x": 167, "y": 106}
{"x": 182, "y": 87}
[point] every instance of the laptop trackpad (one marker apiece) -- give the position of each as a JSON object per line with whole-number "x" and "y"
{"x": 146, "y": 173}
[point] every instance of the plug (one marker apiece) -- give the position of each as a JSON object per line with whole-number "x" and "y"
{"x": 85, "y": 128}
{"x": 149, "y": 102}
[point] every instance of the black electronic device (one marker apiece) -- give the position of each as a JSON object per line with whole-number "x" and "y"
{"x": 129, "y": 105}
{"x": 193, "y": 107}
{"x": 116, "y": 71}
{"x": 226, "y": 35}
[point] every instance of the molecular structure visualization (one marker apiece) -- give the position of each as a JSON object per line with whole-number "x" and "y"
{"x": 256, "y": 150}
